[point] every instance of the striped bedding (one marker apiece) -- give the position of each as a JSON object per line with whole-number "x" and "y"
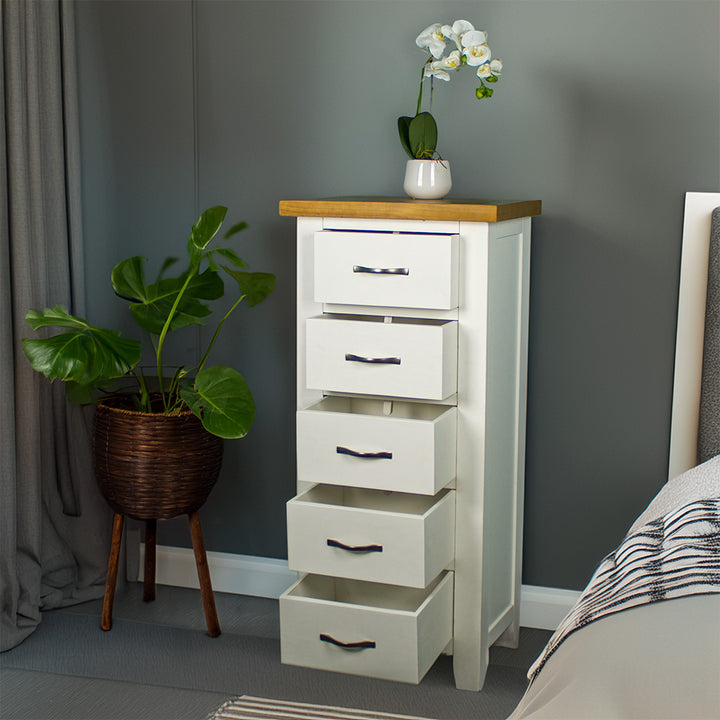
{"x": 675, "y": 555}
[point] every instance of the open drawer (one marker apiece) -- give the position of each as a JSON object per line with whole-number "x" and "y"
{"x": 371, "y": 535}
{"x": 365, "y": 628}
{"x": 405, "y": 358}
{"x": 351, "y": 441}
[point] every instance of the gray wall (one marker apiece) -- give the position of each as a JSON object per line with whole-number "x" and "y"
{"x": 607, "y": 111}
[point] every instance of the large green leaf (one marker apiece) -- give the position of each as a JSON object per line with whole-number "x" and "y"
{"x": 208, "y": 285}
{"x": 422, "y": 134}
{"x": 205, "y": 229}
{"x": 152, "y": 316}
{"x": 403, "y": 131}
{"x": 128, "y": 279}
{"x": 222, "y": 400}
{"x": 256, "y": 286}
{"x": 56, "y": 316}
{"x": 153, "y": 303}
{"x": 84, "y": 354}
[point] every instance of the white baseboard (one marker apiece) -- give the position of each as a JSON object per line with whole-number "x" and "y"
{"x": 229, "y": 573}
{"x": 545, "y": 607}
{"x": 540, "y": 607}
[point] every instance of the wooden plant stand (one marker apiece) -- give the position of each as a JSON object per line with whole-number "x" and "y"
{"x": 150, "y": 467}
{"x": 149, "y": 576}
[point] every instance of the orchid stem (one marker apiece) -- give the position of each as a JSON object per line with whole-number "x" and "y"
{"x": 420, "y": 94}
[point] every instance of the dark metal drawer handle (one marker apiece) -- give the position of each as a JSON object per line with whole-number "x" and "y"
{"x": 381, "y": 455}
{"x": 381, "y": 271}
{"x": 354, "y": 548}
{"x": 361, "y": 645}
{"x": 378, "y": 361}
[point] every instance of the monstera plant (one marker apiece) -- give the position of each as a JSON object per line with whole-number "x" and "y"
{"x": 90, "y": 358}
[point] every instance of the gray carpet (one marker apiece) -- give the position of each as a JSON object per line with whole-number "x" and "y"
{"x": 158, "y": 662}
{"x": 30, "y": 695}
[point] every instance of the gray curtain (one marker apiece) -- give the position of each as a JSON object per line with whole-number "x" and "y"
{"x": 54, "y": 525}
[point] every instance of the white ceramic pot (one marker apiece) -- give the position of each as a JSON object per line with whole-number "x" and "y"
{"x": 427, "y": 179}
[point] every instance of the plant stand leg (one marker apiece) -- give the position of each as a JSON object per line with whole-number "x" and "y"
{"x": 149, "y": 572}
{"x": 204, "y": 575}
{"x": 106, "y": 620}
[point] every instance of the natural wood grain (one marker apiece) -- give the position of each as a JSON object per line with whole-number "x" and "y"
{"x": 106, "y": 619}
{"x": 149, "y": 570}
{"x": 204, "y": 575}
{"x": 407, "y": 209}
{"x": 149, "y": 574}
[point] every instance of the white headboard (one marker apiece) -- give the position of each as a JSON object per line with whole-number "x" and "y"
{"x": 690, "y": 331}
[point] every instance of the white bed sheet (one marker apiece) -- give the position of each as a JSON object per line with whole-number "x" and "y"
{"x": 656, "y": 661}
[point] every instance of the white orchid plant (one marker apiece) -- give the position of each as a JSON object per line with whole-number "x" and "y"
{"x": 468, "y": 48}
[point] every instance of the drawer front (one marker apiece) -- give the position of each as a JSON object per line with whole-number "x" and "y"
{"x": 344, "y": 441}
{"x": 400, "y": 359}
{"x": 397, "y": 633}
{"x": 371, "y": 535}
{"x": 390, "y": 270}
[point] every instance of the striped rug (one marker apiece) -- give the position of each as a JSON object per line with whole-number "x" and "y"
{"x": 252, "y": 708}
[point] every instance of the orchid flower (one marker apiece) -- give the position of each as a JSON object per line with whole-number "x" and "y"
{"x": 473, "y": 37}
{"x": 436, "y": 70}
{"x": 418, "y": 134}
{"x": 490, "y": 71}
{"x": 452, "y": 61}
{"x": 439, "y": 68}
{"x": 484, "y": 71}
{"x": 475, "y": 49}
{"x": 496, "y": 66}
{"x": 432, "y": 39}
{"x": 454, "y": 32}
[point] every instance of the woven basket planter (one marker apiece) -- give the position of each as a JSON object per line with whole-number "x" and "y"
{"x": 150, "y": 465}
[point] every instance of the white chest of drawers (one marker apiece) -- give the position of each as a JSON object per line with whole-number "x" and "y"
{"x": 412, "y": 363}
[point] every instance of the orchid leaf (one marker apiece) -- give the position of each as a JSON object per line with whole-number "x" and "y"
{"x": 403, "y": 131}
{"x": 422, "y": 134}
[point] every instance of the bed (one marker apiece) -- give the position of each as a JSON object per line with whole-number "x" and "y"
{"x": 643, "y": 640}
